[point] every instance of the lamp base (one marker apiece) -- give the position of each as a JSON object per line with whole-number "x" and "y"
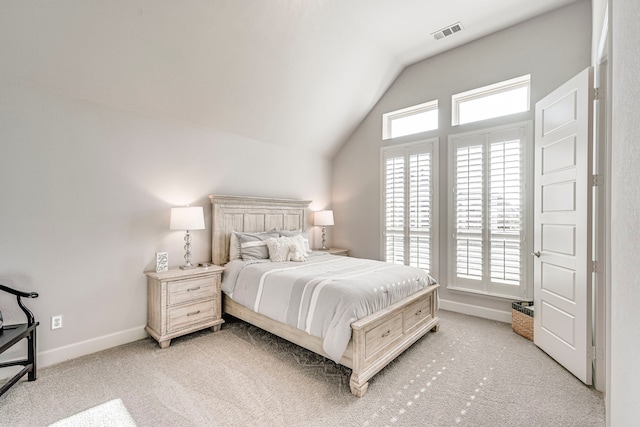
{"x": 324, "y": 240}
{"x": 187, "y": 267}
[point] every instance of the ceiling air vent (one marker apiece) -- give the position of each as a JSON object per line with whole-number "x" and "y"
{"x": 445, "y": 32}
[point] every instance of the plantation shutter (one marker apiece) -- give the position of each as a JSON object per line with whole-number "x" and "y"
{"x": 394, "y": 208}
{"x": 407, "y": 205}
{"x": 506, "y": 199}
{"x": 420, "y": 210}
{"x": 469, "y": 217}
{"x": 488, "y": 205}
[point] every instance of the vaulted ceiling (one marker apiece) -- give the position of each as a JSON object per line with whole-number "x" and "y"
{"x": 300, "y": 73}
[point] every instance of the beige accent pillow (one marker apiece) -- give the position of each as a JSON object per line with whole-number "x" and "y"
{"x": 278, "y": 248}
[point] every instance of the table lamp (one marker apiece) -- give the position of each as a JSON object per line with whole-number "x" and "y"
{"x": 187, "y": 218}
{"x": 323, "y": 219}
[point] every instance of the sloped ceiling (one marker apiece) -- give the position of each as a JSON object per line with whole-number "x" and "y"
{"x": 298, "y": 73}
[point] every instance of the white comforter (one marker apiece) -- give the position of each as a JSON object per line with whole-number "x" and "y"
{"x": 323, "y": 295}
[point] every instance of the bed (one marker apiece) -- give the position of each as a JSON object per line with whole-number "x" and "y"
{"x": 376, "y": 339}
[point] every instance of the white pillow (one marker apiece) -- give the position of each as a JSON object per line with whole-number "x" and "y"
{"x": 301, "y": 244}
{"x": 306, "y": 248}
{"x": 278, "y": 248}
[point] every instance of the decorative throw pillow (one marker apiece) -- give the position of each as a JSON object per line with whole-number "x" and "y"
{"x": 306, "y": 249}
{"x": 254, "y": 245}
{"x": 234, "y": 243}
{"x": 278, "y": 248}
{"x": 301, "y": 244}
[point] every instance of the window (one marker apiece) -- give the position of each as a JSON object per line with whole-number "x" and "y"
{"x": 419, "y": 118}
{"x": 409, "y": 216}
{"x": 500, "y": 99}
{"x": 489, "y": 211}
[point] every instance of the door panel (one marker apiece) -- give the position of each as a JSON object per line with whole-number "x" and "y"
{"x": 561, "y": 322}
{"x": 559, "y": 280}
{"x": 559, "y": 155}
{"x": 559, "y": 113}
{"x": 562, "y": 224}
{"x": 559, "y": 238}
{"x": 559, "y": 196}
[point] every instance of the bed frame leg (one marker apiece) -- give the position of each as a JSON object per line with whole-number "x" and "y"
{"x": 358, "y": 389}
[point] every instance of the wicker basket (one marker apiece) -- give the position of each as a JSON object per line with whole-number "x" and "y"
{"x": 522, "y": 318}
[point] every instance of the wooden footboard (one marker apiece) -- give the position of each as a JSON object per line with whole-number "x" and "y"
{"x": 379, "y": 338}
{"x": 376, "y": 339}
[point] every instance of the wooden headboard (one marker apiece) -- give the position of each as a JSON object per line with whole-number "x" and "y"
{"x": 251, "y": 214}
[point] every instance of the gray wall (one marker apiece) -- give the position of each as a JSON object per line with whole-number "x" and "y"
{"x": 85, "y": 198}
{"x": 624, "y": 378}
{"x": 552, "y": 48}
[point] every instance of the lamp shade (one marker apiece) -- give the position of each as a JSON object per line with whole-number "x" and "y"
{"x": 187, "y": 218}
{"x": 323, "y": 218}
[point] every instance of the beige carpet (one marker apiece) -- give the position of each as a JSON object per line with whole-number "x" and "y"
{"x": 473, "y": 372}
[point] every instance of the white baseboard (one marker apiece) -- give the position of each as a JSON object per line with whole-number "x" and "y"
{"x": 82, "y": 348}
{"x": 474, "y": 310}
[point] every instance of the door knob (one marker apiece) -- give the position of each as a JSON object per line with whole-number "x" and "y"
{"x": 536, "y": 253}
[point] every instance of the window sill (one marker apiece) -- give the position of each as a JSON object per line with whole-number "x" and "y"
{"x": 488, "y": 294}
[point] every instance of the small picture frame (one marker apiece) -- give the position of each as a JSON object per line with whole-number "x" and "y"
{"x": 162, "y": 261}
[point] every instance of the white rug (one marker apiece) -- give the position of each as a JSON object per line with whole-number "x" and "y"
{"x": 112, "y": 413}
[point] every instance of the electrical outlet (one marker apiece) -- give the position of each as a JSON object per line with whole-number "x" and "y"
{"x": 56, "y": 322}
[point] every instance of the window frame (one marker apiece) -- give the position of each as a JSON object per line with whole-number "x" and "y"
{"x": 485, "y": 286}
{"x": 430, "y": 145}
{"x": 388, "y": 118}
{"x": 486, "y": 91}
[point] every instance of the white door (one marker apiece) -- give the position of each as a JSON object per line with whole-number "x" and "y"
{"x": 562, "y": 224}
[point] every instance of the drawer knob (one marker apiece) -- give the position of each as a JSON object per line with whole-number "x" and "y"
{"x": 386, "y": 334}
{"x": 193, "y": 313}
{"x": 418, "y": 313}
{"x": 193, "y": 289}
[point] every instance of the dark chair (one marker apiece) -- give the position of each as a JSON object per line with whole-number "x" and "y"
{"x": 12, "y": 334}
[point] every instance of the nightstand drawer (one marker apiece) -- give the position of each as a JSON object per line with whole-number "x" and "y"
{"x": 187, "y": 315}
{"x": 190, "y": 290}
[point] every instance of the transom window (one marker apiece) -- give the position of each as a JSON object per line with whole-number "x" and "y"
{"x": 496, "y": 100}
{"x": 410, "y": 120}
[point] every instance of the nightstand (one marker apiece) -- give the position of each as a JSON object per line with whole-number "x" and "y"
{"x": 339, "y": 251}
{"x": 183, "y": 301}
